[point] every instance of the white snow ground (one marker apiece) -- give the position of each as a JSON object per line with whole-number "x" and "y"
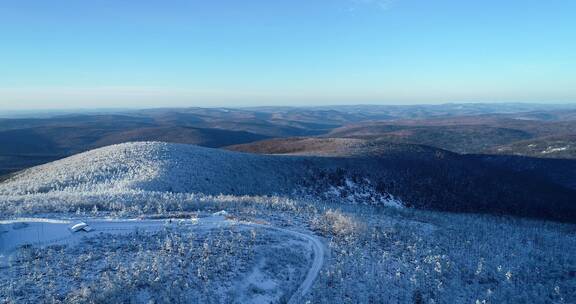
{"x": 40, "y": 232}
{"x": 45, "y": 232}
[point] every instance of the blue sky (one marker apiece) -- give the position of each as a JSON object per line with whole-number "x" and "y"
{"x": 144, "y": 53}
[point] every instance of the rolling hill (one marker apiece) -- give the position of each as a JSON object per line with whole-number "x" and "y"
{"x": 559, "y": 146}
{"x": 459, "y": 138}
{"x": 474, "y": 134}
{"x": 419, "y": 177}
{"x": 23, "y": 148}
{"x": 213, "y": 138}
{"x": 464, "y": 128}
{"x": 557, "y": 171}
{"x": 343, "y": 147}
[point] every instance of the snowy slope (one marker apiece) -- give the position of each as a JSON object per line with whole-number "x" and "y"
{"x": 154, "y": 166}
{"x": 154, "y": 177}
{"x": 159, "y": 176}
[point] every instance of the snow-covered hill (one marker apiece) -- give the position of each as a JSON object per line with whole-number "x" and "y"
{"x": 155, "y": 166}
{"x": 167, "y": 176}
{"x": 144, "y": 175}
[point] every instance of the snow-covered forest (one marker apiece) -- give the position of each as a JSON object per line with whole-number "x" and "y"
{"x": 375, "y": 250}
{"x": 176, "y": 264}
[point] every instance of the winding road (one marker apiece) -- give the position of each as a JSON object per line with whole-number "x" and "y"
{"x": 318, "y": 250}
{"x": 44, "y": 232}
{"x": 317, "y": 263}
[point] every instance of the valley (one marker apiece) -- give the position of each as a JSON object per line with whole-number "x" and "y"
{"x": 363, "y": 213}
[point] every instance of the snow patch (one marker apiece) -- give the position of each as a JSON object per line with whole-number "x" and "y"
{"x": 362, "y": 192}
{"x": 260, "y": 288}
{"x": 554, "y": 149}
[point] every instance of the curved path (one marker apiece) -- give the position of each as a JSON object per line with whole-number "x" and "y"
{"x": 317, "y": 262}
{"x": 43, "y": 232}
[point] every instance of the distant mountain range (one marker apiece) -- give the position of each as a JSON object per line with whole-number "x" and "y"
{"x": 507, "y": 159}
{"x": 462, "y": 128}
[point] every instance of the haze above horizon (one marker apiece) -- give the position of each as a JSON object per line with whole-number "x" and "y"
{"x": 178, "y": 53}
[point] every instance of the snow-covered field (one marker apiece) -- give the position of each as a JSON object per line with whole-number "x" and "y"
{"x": 245, "y": 262}
{"x": 42, "y": 232}
{"x": 269, "y": 253}
{"x": 407, "y": 256}
{"x": 158, "y": 236}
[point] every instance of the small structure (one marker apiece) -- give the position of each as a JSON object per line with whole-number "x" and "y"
{"x": 81, "y": 227}
{"x": 220, "y": 213}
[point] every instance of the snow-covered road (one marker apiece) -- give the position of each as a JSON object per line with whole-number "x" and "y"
{"x": 317, "y": 263}
{"x": 45, "y": 232}
{"x": 318, "y": 250}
